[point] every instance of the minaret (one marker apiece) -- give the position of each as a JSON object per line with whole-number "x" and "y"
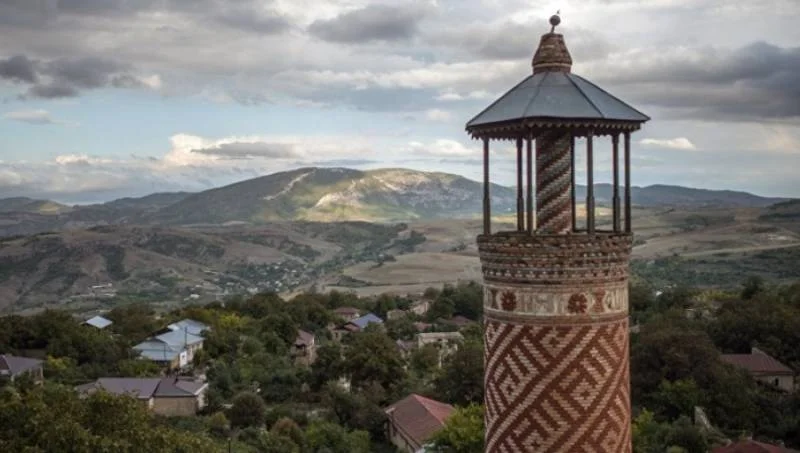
{"x": 555, "y": 289}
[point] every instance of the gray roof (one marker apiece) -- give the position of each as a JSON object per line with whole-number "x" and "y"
{"x": 365, "y": 320}
{"x": 98, "y": 322}
{"x": 304, "y": 338}
{"x": 189, "y": 325}
{"x": 557, "y": 95}
{"x": 157, "y": 350}
{"x": 142, "y": 388}
{"x": 179, "y": 338}
{"x": 12, "y": 365}
{"x": 145, "y": 388}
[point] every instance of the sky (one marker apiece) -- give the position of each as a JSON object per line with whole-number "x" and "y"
{"x": 102, "y": 99}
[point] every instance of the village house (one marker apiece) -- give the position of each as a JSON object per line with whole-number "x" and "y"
{"x": 420, "y": 307}
{"x": 98, "y": 322}
{"x": 172, "y": 350}
{"x": 446, "y": 342}
{"x": 357, "y": 325}
{"x": 751, "y": 446}
{"x": 347, "y": 313}
{"x": 412, "y": 421}
{"x": 14, "y": 367}
{"x": 392, "y": 315}
{"x": 189, "y": 325}
{"x": 764, "y": 368}
{"x": 170, "y": 396}
{"x": 304, "y": 349}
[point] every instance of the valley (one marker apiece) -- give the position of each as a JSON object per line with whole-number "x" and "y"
{"x": 386, "y": 231}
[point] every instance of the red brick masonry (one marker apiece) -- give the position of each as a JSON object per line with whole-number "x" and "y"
{"x": 557, "y": 360}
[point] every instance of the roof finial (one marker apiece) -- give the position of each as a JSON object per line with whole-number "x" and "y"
{"x": 555, "y": 20}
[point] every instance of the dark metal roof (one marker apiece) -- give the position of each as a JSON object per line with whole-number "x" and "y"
{"x": 14, "y": 365}
{"x": 557, "y": 95}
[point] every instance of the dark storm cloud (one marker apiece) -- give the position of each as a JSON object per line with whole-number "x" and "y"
{"x": 757, "y": 81}
{"x": 66, "y": 77}
{"x": 18, "y": 68}
{"x": 371, "y": 23}
{"x": 51, "y": 91}
{"x": 82, "y": 72}
{"x": 243, "y": 150}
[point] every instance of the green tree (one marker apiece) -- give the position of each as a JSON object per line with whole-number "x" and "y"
{"x": 461, "y": 377}
{"x": 324, "y": 437}
{"x": 372, "y": 356}
{"x": 247, "y": 409}
{"x": 462, "y": 432}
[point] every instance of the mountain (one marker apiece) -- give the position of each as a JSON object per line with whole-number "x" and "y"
{"x": 336, "y": 194}
{"x": 328, "y": 194}
{"x": 31, "y": 206}
{"x": 666, "y": 195}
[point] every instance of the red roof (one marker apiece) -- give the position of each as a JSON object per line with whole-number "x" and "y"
{"x": 757, "y": 362}
{"x": 418, "y": 418}
{"x": 751, "y": 446}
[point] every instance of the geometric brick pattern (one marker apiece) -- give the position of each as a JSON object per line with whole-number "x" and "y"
{"x": 561, "y": 386}
{"x": 581, "y": 261}
{"x": 553, "y": 183}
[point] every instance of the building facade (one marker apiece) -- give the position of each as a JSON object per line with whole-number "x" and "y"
{"x": 555, "y": 289}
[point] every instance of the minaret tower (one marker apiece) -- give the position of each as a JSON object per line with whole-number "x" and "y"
{"x": 556, "y": 289}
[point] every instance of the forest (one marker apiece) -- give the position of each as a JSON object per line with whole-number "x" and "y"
{"x": 260, "y": 400}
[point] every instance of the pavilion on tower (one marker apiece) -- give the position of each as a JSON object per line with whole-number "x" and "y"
{"x": 556, "y": 291}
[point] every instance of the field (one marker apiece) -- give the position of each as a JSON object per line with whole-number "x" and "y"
{"x": 673, "y": 246}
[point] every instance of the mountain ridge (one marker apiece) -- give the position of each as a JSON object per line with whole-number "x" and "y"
{"x": 329, "y": 194}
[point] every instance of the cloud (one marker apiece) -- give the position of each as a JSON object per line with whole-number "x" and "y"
{"x": 373, "y": 22}
{"x": 754, "y": 82}
{"x": 18, "y": 68}
{"x": 249, "y": 150}
{"x": 681, "y": 143}
{"x": 442, "y": 147}
{"x": 39, "y": 117}
{"x": 438, "y": 115}
{"x": 66, "y": 77}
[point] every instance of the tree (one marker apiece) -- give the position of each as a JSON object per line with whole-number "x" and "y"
{"x": 372, "y": 356}
{"x": 752, "y": 286}
{"x": 331, "y": 438}
{"x": 329, "y": 365}
{"x": 247, "y": 410}
{"x": 425, "y": 360}
{"x": 461, "y": 378}
{"x": 462, "y": 432}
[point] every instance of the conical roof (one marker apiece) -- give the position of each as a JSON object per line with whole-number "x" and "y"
{"x": 557, "y": 95}
{"x": 552, "y": 93}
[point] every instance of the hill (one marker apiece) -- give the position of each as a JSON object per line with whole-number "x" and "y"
{"x": 110, "y": 265}
{"x": 325, "y": 195}
{"x": 30, "y": 205}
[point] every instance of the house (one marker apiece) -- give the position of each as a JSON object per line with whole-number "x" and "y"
{"x": 405, "y": 347}
{"x": 304, "y": 349}
{"x": 12, "y": 367}
{"x": 446, "y": 342}
{"x": 392, "y": 315}
{"x": 98, "y": 322}
{"x": 189, "y": 325}
{"x": 458, "y": 321}
{"x": 347, "y": 313}
{"x": 173, "y": 349}
{"x": 751, "y": 446}
{"x": 764, "y": 368}
{"x": 420, "y": 307}
{"x": 357, "y": 325}
{"x": 413, "y": 420}
{"x": 165, "y": 396}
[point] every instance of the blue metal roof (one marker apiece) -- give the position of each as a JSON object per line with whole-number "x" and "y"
{"x": 557, "y": 95}
{"x": 365, "y": 320}
{"x": 179, "y": 338}
{"x": 157, "y": 350}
